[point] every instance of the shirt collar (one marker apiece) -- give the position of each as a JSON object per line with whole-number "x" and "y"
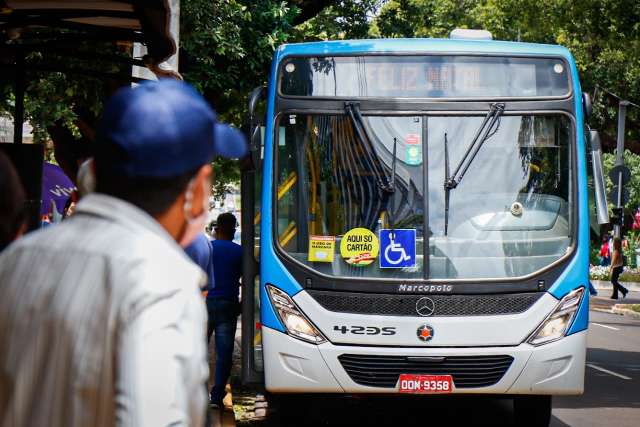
{"x": 123, "y": 213}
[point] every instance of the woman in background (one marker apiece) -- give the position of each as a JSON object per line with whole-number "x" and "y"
{"x": 617, "y": 266}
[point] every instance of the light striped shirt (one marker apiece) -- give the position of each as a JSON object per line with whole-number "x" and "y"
{"x": 101, "y": 324}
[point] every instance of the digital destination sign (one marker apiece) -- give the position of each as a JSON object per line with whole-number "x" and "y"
{"x": 424, "y": 77}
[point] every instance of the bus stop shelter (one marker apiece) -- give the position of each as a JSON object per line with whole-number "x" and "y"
{"x": 52, "y": 36}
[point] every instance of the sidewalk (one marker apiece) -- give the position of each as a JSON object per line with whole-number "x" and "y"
{"x": 604, "y": 303}
{"x": 226, "y": 417}
{"x": 606, "y": 285}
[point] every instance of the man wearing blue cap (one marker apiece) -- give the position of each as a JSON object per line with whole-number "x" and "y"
{"x": 101, "y": 319}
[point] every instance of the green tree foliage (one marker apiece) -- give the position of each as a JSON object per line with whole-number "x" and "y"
{"x": 347, "y": 19}
{"x": 603, "y": 35}
{"x": 225, "y": 51}
{"x": 227, "y": 47}
{"x": 59, "y": 98}
{"x": 632, "y": 161}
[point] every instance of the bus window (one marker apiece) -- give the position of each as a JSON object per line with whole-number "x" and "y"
{"x": 512, "y": 213}
{"x": 330, "y": 181}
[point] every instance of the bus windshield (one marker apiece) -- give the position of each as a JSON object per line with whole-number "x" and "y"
{"x": 511, "y": 215}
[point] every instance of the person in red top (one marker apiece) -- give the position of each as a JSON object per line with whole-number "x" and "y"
{"x": 605, "y": 256}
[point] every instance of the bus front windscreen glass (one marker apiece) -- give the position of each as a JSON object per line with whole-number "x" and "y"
{"x": 433, "y": 76}
{"x": 350, "y": 195}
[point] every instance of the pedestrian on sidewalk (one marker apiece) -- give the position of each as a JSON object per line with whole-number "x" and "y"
{"x": 101, "y": 318}
{"x": 605, "y": 254}
{"x": 200, "y": 253}
{"x": 617, "y": 266}
{"x": 223, "y": 305}
{"x": 12, "y": 209}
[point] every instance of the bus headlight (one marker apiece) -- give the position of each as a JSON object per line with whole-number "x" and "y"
{"x": 556, "y": 324}
{"x": 292, "y": 318}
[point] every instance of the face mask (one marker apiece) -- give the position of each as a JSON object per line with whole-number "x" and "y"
{"x": 195, "y": 225}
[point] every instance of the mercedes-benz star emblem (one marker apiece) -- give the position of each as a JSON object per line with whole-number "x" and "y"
{"x": 425, "y": 333}
{"x": 425, "y": 306}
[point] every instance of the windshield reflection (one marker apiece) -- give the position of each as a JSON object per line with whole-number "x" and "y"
{"x": 511, "y": 214}
{"x": 509, "y": 217}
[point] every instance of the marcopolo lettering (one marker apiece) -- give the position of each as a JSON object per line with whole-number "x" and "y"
{"x": 425, "y": 288}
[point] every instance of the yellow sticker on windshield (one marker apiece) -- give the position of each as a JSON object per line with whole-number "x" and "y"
{"x": 321, "y": 248}
{"x": 359, "y": 247}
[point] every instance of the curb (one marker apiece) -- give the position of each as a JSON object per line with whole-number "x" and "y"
{"x": 621, "y": 309}
{"x": 606, "y": 285}
{"x": 603, "y": 310}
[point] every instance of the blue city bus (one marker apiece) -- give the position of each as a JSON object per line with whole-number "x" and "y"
{"x": 416, "y": 220}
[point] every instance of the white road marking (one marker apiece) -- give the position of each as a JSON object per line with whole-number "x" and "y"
{"x": 606, "y": 371}
{"x": 605, "y": 326}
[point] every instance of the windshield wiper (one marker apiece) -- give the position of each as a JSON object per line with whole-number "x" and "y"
{"x": 446, "y": 190}
{"x": 382, "y": 180}
{"x": 484, "y": 132}
{"x": 392, "y": 185}
{"x": 385, "y": 183}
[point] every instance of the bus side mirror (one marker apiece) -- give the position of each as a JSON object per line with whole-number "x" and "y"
{"x": 602, "y": 209}
{"x": 255, "y": 123}
{"x": 255, "y": 97}
{"x": 588, "y": 106}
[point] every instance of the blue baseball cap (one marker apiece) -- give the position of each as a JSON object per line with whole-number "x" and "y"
{"x": 162, "y": 129}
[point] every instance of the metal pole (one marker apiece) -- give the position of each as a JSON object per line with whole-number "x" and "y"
{"x": 18, "y": 114}
{"x": 622, "y": 117}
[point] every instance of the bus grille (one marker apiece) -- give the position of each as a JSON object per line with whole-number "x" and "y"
{"x": 444, "y": 305}
{"x": 384, "y": 371}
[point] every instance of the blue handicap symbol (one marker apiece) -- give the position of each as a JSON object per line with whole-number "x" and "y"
{"x": 397, "y": 248}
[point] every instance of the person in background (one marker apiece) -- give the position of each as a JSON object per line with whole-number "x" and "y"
{"x": 12, "y": 198}
{"x": 223, "y": 305}
{"x": 605, "y": 256}
{"x": 101, "y": 318}
{"x": 45, "y": 220}
{"x": 200, "y": 253}
{"x": 210, "y": 229}
{"x": 617, "y": 266}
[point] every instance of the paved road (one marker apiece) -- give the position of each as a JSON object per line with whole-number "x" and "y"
{"x": 612, "y": 382}
{"x": 612, "y": 395}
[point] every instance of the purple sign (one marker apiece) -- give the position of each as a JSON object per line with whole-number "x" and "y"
{"x": 56, "y": 187}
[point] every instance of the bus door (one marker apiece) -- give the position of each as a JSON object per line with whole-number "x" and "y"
{"x": 250, "y": 186}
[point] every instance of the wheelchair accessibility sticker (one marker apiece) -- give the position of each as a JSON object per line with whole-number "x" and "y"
{"x": 397, "y": 248}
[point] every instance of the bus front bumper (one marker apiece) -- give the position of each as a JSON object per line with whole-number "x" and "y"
{"x": 293, "y": 366}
